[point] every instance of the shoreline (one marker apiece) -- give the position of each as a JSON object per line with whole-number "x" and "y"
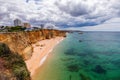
{"x": 40, "y": 53}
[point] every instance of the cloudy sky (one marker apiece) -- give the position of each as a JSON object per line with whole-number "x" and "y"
{"x": 68, "y": 14}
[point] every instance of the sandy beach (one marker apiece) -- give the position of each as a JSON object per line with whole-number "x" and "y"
{"x": 40, "y": 53}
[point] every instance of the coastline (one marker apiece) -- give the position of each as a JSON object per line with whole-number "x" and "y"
{"x": 40, "y": 53}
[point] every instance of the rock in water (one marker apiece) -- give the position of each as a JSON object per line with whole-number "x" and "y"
{"x": 80, "y": 40}
{"x": 70, "y": 77}
{"x": 84, "y": 77}
{"x": 73, "y": 68}
{"x": 99, "y": 69}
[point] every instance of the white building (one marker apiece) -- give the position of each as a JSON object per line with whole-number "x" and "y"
{"x": 17, "y": 22}
{"x": 27, "y": 25}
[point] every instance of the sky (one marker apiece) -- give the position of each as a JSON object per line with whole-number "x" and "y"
{"x": 64, "y": 14}
{"x": 110, "y": 25}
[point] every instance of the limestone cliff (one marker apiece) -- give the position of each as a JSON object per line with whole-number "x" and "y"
{"x": 20, "y": 42}
{"x": 12, "y": 66}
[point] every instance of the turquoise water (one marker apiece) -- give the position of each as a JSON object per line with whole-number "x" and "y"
{"x": 87, "y": 56}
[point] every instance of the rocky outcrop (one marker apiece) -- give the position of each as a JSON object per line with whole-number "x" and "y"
{"x": 21, "y": 42}
{"x": 15, "y": 47}
{"x": 12, "y": 66}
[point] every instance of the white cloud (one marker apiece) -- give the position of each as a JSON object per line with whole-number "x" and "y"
{"x": 50, "y": 26}
{"x": 59, "y": 12}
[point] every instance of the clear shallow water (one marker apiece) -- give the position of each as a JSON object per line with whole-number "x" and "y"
{"x": 87, "y": 56}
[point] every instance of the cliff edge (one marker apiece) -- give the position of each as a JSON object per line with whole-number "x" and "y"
{"x": 16, "y": 47}
{"x": 12, "y": 65}
{"x": 21, "y": 42}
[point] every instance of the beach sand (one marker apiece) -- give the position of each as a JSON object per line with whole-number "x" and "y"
{"x": 40, "y": 53}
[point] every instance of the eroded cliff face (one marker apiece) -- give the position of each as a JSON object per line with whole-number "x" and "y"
{"x": 21, "y": 42}
{"x": 12, "y": 66}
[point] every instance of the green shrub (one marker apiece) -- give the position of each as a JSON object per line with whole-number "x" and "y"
{"x": 14, "y": 62}
{"x": 4, "y": 49}
{"x": 18, "y": 67}
{"x": 16, "y": 28}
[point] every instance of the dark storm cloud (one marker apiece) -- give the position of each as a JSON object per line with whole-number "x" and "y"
{"x": 73, "y": 9}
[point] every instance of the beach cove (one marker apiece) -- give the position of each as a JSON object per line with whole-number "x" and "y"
{"x": 83, "y": 57}
{"x": 41, "y": 50}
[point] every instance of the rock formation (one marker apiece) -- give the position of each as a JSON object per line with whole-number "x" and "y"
{"x": 12, "y": 66}
{"x": 21, "y": 42}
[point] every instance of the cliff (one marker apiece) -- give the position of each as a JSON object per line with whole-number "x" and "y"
{"x": 12, "y": 66}
{"x": 20, "y": 42}
{"x": 16, "y": 47}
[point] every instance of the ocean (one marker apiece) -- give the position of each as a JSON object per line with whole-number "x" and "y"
{"x": 87, "y": 56}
